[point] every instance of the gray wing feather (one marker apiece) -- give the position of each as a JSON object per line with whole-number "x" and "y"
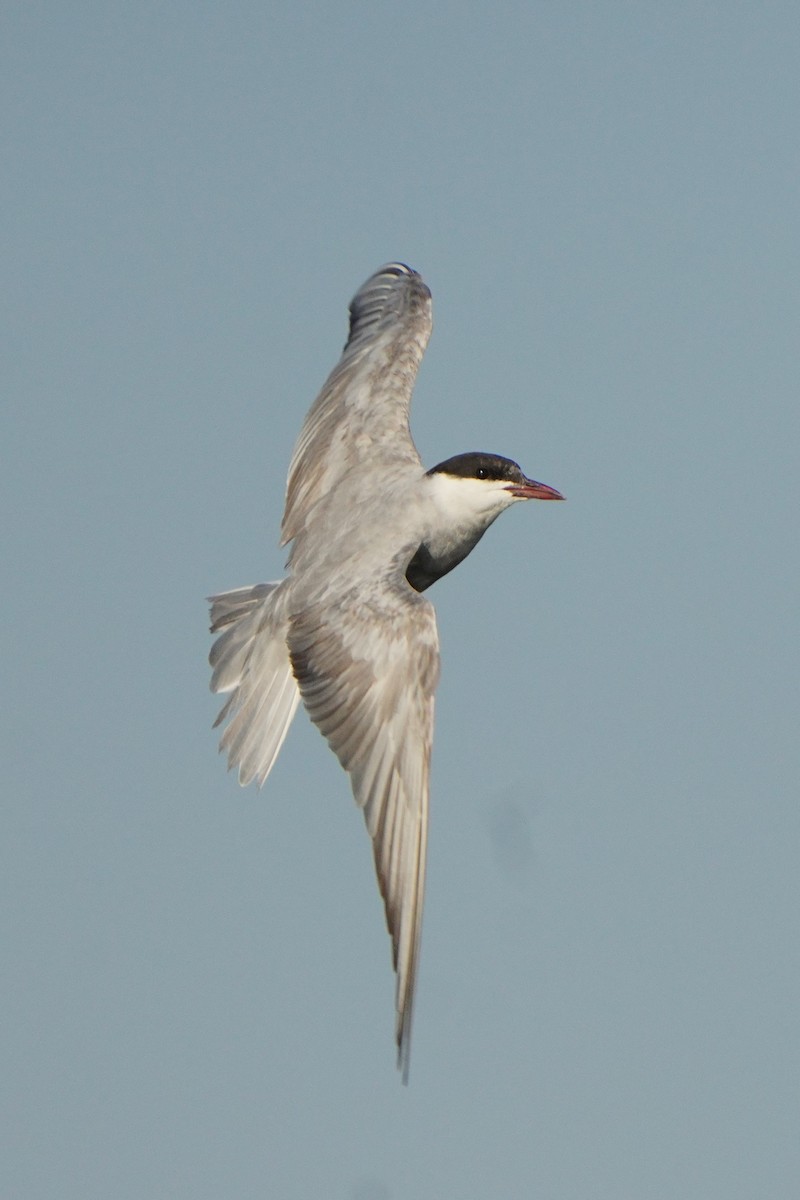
{"x": 362, "y": 411}
{"x": 367, "y": 672}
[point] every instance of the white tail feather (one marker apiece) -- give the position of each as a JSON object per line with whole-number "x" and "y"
{"x": 251, "y": 661}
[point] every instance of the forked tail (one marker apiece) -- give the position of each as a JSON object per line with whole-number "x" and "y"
{"x": 251, "y": 661}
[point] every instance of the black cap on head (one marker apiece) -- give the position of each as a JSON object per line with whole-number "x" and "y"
{"x": 477, "y": 465}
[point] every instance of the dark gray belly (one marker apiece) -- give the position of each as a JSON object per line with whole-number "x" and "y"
{"x": 430, "y": 564}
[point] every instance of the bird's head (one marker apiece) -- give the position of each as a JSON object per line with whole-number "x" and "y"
{"x": 484, "y": 484}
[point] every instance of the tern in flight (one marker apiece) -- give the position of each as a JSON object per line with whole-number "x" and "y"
{"x": 348, "y": 630}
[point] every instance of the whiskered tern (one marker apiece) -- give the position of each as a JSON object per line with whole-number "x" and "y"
{"x": 349, "y": 631}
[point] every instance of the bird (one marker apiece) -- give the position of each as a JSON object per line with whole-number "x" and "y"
{"x": 348, "y": 631}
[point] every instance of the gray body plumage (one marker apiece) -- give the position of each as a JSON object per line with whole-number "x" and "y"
{"x": 348, "y": 630}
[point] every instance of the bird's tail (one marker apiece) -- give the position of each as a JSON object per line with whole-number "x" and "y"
{"x": 251, "y": 661}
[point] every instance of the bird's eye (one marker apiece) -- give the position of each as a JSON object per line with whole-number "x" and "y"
{"x": 481, "y": 473}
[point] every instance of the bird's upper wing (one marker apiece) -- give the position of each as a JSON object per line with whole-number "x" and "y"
{"x": 361, "y": 414}
{"x": 367, "y": 668}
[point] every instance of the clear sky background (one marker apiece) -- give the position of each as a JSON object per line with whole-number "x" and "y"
{"x": 604, "y": 200}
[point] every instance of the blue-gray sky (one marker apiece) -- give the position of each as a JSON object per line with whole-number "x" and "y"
{"x": 604, "y": 201}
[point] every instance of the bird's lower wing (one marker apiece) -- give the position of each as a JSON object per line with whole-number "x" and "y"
{"x": 367, "y": 669}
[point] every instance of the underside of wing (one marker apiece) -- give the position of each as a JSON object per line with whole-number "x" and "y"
{"x": 367, "y": 671}
{"x": 362, "y": 410}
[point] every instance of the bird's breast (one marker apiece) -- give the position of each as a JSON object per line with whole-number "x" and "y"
{"x": 438, "y": 554}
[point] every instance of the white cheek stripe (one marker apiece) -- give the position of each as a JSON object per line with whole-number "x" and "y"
{"x": 459, "y": 498}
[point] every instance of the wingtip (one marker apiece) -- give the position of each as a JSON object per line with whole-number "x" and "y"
{"x": 403, "y": 1064}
